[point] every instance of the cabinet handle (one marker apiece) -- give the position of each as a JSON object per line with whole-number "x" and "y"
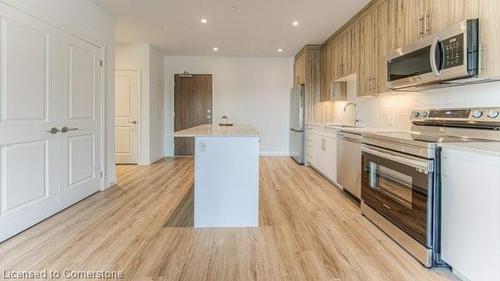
{"x": 482, "y": 50}
{"x": 428, "y": 23}
{"x": 421, "y": 26}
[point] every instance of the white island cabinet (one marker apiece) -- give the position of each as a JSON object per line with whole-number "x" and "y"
{"x": 470, "y": 210}
{"x": 226, "y": 175}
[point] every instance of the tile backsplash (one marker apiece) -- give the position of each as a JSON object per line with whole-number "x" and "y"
{"x": 392, "y": 110}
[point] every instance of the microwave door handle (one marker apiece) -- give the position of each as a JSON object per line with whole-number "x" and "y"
{"x": 432, "y": 56}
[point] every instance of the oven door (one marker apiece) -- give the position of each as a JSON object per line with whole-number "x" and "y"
{"x": 399, "y": 187}
{"x": 414, "y": 65}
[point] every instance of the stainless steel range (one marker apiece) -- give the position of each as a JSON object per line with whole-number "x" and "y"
{"x": 400, "y": 187}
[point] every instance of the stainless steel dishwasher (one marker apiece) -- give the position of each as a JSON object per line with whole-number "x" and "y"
{"x": 349, "y": 162}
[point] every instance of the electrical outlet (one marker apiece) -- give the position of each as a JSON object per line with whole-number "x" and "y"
{"x": 390, "y": 121}
{"x": 203, "y": 146}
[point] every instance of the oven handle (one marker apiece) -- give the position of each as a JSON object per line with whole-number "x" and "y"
{"x": 425, "y": 166}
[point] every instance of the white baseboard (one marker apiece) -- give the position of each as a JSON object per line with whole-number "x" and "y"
{"x": 275, "y": 153}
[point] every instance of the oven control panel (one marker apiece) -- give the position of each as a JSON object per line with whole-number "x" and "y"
{"x": 490, "y": 114}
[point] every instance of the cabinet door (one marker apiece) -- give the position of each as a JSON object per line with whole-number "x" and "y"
{"x": 316, "y": 150}
{"x": 324, "y": 79}
{"x": 413, "y": 15}
{"x": 443, "y": 13}
{"x": 336, "y": 58}
{"x": 354, "y": 50}
{"x": 331, "y": 158}
{"x": 396, "y": 14}
{"x": 329, "y": 65}
{"x": 365, "y": 81}
{"x": 384, "y": 44}
{"x": 300, "y": 69}
{"x": 489, "y": 34}
{"x": 437, "y": 15}
{"x": 346, "y": 41}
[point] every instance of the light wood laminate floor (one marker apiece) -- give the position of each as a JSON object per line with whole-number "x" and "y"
{"x": 309, "y": 230}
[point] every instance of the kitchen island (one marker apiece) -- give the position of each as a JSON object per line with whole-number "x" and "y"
{"x": 226, "y": 175}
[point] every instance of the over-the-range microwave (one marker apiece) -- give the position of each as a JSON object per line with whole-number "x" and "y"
{"x": 435, "y": 61}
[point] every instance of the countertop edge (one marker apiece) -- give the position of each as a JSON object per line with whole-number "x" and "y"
{"x": 490, "y": 148}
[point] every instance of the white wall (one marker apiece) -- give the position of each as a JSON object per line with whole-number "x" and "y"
{"x": 156, "y": 105}
{"x": 393, "y": 110}
{"x": 85, "y": 20}
{"x": 248, "y": 90}
{"x": 149, "y": 62}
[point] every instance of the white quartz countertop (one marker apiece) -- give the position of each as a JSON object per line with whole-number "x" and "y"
{"x": 490, "y": 148}
{"x": 214, "y": 130}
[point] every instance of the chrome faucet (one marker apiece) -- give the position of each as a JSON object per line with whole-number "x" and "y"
{"x": 356, "y": 120}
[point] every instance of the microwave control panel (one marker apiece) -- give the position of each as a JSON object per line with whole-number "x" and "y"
{"x": 453, "y": 51}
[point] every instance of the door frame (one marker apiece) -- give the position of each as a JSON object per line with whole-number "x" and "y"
{"x": 139, "y": 109}
{"x": 102, "y": 125}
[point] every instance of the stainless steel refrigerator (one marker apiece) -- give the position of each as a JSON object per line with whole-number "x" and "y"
{"x": 297, "y": 115}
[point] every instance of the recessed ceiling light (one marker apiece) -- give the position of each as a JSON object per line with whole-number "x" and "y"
{"x": 215, "y": 49}
{"x": 295, "y": 23}
{"x": 203, "y": 20}
{"x": 280, "y": 50}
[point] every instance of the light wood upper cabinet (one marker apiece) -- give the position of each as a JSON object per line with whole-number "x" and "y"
{"x": 337, "y": 57}
{"x": 385, "y": 31}
{"x": 489, "y": 37}
{"x": 324, "y": 94}
{"x": 443, "y": 13}
{"x": 353, "y": 48}
{"x": 300, "y": 69}
{"x": 362, "y": 46}
{"x": 307, "y": 71}
{"x": 367, "y": 69}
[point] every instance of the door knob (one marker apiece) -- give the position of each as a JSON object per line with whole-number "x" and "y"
{"x": 66, "y": 129}
{"x": 133, "y": 122}
{"x": 53, "y": 131}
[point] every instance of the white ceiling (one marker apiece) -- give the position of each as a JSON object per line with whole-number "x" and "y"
{"x": 254, "y": 28}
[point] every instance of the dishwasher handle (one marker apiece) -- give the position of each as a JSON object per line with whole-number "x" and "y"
{"x": 347, "y": 137}
{"x": 344, "y": 138}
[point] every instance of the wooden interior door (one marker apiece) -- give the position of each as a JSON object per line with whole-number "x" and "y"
{"x": 192, "y": 107}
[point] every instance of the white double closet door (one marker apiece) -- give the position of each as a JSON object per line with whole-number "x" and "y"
{"x": 49, "y": 79}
